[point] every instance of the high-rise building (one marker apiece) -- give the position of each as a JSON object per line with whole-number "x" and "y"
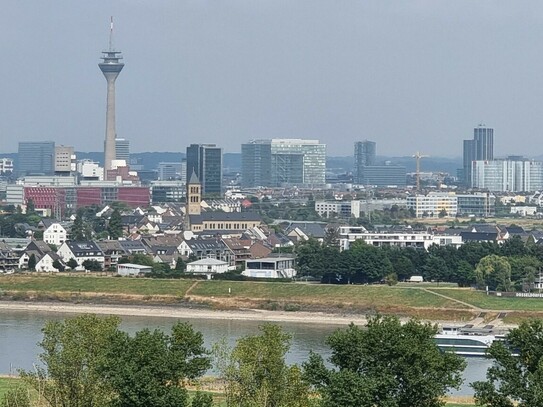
{"x": 384, "y": 176}
{"x": 36, "y": 158}
{"x": 480, "y": 148}
{"x": 364, "y": 155}
{"x": 283, "y": 162}
{"x": 205, "y": 160}
{"x": 110, "y": 67}
{"x": 122, "y": 149}
{"x": 170, "y": 171}
{"x": 514, "y": 174}
{"x": 256, "y": 161}
{"x": 298, "y": 162}
{"x": 65, "y": 163}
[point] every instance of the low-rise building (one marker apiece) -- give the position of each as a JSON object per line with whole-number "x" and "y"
{"x": 400, "y": 238}
{"x": 128, "y": 269}
{"x": 270, "y": 267}
{"x": 207, "y": 267}
{"x": 341, "y": 209}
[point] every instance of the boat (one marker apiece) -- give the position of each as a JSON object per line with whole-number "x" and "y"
{"x": 467, "y": 340}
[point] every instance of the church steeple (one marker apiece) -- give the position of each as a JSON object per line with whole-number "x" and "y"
{"x": 194, "y": 195}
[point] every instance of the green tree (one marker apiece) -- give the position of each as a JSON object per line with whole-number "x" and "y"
{"x": 147, "y": 369}
{"x": 464, "y": 275}
{"x": 385, "y": 364}
{"x": 32, "y": 262}
{"x": 72, "y": 263}
{"x": 115, "y": 225}
{"x": 30, "y": 207}
{"x": 78, "y": 231}
{"x": 58, "y": 265}
{"x": 494, "y": 272}
{"x": 72, "y": 351}
{"x": 514, "y": 380}
{"x": 256, "y": 374}
{"x": 92, "y": 265}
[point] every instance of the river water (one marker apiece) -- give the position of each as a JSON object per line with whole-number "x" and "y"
{"x": 20, "y": 331}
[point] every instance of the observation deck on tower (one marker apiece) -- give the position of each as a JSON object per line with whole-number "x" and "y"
{"x": 111, "y": 62}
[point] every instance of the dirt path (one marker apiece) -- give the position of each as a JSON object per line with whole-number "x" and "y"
{"x": 467, "y": 304}
{"x": 191, "y": 288}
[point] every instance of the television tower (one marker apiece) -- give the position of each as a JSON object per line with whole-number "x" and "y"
{"x": 110, "y": 67}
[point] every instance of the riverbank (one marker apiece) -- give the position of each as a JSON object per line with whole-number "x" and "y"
{"x": 184, "y": 312}
{"x": 261, "y": 300}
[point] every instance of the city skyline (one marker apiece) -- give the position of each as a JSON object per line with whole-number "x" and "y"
{"x": 225, "y": 74}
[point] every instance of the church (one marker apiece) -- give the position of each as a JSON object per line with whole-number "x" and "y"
{"x": 217, "y": 221}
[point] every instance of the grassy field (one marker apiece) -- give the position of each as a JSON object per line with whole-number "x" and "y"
{"x": 325, "y": 294}
{"x": 107, "y": 285}
{"x": 481, "y": 300}
{"x": 5, "y": 384}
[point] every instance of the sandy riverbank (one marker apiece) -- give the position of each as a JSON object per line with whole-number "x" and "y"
{"x": 184, "y": 312}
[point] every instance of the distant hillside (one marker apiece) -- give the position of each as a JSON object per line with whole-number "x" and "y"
{"x": 429, "y": 164}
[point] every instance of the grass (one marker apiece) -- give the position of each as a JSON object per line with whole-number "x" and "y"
{"x": 106, "y": 285}
{"x": 481, "y": 300}
{"x": 5, "y": 384}
{"x": 357, "y": 295}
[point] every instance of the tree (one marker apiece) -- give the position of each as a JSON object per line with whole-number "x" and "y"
{"x": 256, "y": 374}
{"x": 115, "y": 225}
{"x": 58, "y": 265}
{"x": 494, "y": 272}
{"x": 465, "y": 274}
{"x": 72, "y": 351}
{"x": 32, "y": 262}
{"x": 72, "y": 263}
{"x": 147, "y": 369}
{"x": 385, "y": 364}
{"x": 92, "y": 265}
{"x": 514, "y": 379}
{"x": 30, "y": 207}
{"x": 78, "y": 229}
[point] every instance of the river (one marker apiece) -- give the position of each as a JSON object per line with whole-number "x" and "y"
{"x": 20, "y": 331}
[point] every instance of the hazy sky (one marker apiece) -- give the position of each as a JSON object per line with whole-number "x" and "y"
{"x": 408, "y": 74}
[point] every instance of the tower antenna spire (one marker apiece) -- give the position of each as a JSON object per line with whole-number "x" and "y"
{"x": 111, "y": 34}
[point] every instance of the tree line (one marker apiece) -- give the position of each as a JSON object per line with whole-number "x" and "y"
{"x": 512, "y": 265}
{"x": 87, "y": 361}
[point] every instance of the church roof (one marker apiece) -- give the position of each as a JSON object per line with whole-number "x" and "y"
{"x": 194, "y": 178}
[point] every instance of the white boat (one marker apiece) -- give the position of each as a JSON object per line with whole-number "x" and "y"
{"x": 466, "y": 341}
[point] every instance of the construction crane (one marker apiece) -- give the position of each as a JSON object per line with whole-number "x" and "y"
{"x": 418, "y": 157}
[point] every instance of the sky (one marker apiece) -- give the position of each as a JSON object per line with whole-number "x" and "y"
{"x": 413, "y": 75}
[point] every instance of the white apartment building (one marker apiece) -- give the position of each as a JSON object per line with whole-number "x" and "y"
{"x": 512, "y": 175}
{"x": 55, "y": 234}
{"x": 414, "y": 239}
{"x": 434, "y": 204}
{"x": 341, "y": 209}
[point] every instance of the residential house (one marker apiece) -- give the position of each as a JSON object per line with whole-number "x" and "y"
{"x": 9, "y": 260}
{"x": 133, "y": 247}
{"x": 54, "y": 232}
{"x": 81, "y": 251}
{"x": 206, "y": 248}
{"x": 301, "y": 231}
{"x": 113, "y": 251}
{"x": 43, "y": 254}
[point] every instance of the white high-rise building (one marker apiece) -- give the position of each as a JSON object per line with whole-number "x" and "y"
{"x": 514, "y": 174}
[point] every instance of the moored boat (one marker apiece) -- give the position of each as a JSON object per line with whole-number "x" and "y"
{"x": 467, "y": 340}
